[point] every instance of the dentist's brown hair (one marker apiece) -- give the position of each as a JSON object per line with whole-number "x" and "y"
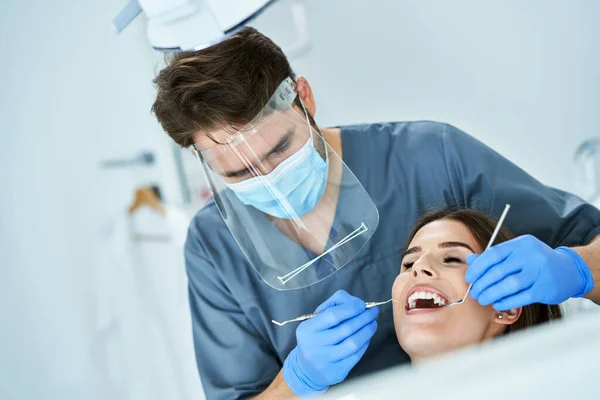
{"x": 220, "y": 87}
{"x": 481, "y": 227}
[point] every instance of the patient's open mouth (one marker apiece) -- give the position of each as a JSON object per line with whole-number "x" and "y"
{"x": 424, "y": 298}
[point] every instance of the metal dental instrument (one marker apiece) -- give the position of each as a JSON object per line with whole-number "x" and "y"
{"x": 308, "y": 316}
{"x": 492, "y": 239}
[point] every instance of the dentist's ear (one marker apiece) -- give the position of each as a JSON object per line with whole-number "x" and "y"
{"x": 306, "y": 94}
{"x": 508, "y": 317}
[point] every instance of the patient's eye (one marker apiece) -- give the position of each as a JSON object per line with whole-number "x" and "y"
{"x": 453, "y": 260}
{"x": 407, "y": 265}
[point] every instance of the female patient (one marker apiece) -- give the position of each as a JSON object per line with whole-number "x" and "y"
{"x": 432, "y": 274}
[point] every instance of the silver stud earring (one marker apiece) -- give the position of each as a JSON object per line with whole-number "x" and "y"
{"x": 500, "y": 316}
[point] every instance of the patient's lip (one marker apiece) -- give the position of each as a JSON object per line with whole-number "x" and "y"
{"x": 423, "y": 288}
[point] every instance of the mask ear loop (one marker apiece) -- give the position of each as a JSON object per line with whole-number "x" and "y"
{"x": 310, "y": 129}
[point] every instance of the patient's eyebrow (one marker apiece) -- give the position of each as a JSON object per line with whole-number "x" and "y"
{"x": 447, "y": 245}
{"x": 415, "y": 249}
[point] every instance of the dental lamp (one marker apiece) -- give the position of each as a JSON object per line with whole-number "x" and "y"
{"x": 184, "y": 25}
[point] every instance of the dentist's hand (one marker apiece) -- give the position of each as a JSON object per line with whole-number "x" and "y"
{"x": 525, "y": 270}
{"x": 330, "y": 344}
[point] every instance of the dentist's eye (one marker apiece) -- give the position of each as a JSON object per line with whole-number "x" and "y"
{"x": 282, "y": 147}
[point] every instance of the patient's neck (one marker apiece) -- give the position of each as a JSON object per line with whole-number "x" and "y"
{"x": 418, "y": 357}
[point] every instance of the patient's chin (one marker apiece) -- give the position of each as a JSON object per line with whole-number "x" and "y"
{"x": 420, "y": 344}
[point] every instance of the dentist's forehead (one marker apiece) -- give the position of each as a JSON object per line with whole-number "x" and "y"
{"x": 267, "y": 131}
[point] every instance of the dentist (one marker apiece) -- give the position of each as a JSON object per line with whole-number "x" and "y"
{"x": 301, "y": 212}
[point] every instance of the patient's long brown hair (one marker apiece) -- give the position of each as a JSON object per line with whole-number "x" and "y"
{"x": 482, "y": 227}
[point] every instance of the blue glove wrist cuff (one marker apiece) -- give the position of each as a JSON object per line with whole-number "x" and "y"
{"x": 582, "y": 267}
{"x": 295, "y": 380}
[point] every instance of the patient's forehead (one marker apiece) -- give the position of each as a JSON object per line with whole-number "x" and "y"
{"x": 444, "y": 230}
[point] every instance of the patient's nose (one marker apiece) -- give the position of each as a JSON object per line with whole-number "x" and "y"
{"x": 423, "y": 268}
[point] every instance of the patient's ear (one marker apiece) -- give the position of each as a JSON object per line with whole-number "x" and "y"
{"x": 508, "y": 317}
{"x": 502, "y": 319}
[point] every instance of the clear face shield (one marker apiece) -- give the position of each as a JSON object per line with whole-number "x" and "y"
{"x": 295, "y": 209}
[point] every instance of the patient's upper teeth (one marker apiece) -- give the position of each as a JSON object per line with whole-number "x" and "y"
{"x": 412, "y": 299}
{"x": 438, "y": 300}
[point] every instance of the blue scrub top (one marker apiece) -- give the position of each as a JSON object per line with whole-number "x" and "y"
{"x": 408, "y": 168}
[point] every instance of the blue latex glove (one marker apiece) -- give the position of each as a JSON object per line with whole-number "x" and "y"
{"x": 525, "y": 270}
{"x": 330, "y": 344}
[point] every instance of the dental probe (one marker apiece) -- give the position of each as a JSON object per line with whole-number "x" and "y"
{"x": 308, "y": 316}
{"x": 492, "y": 239}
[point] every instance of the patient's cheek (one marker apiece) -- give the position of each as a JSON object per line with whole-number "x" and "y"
{"x": 395, "y": 286}
{"x": 398, "y": 287}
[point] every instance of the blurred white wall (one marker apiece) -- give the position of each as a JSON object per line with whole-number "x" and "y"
{"x": 521, "y": 76}
{"x": 73, "y": 93}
